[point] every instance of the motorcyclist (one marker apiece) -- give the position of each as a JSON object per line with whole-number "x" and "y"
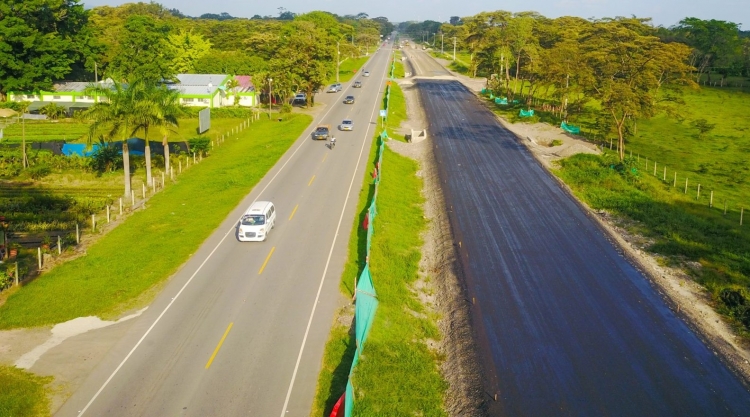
{"x": 333, "y": 142}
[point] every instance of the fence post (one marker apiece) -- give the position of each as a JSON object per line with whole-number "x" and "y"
{"x": 742, "y": 212}
{"x": 711, "y": 202}
{"x": 16, "y": 275}
{"x": 686, "y": 183}
{"x": 665, "y": 173}
{"x": 39, "y": 257}
{"x": 725, "y": 207}
{"x": 675, "y": 179}
{"x": 171, "y": 173}
{"x": 120, "y": 206}
{"x": 162, "y": 180}
{"x": 697, "y": 197}
{"x": 179, "y": 171}
{"x": 143, "y": 190}
{"x": 132, "y": 199}
{"x": 108, "y": 217}
{"x": 93, "y": 222}
{"x": 78, "y": 235}
{"x": 654, "y": 168}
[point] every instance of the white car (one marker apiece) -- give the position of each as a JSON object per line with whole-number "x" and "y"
{"x": 346, "y": 125}
{"x": 257, "y": 222}
{"x": 366, "y": 74}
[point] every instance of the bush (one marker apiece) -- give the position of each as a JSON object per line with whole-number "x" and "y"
{"x": 106, "y": 158}
{"x": 222, "y": 112}
{"x": 199, "y": 145}
{"x": 38, "y": 172}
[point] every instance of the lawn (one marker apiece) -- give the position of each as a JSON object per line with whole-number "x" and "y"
{"x": 349, "y": 68}
{"x": 180, "y": 217}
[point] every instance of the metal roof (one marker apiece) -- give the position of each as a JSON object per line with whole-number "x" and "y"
{"x": 198, "y": 84}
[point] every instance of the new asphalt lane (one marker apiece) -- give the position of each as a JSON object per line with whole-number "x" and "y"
{"x": 240, "y": 329}
{"x": 564, "y": 323}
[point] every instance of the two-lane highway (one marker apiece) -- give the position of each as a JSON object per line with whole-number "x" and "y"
{"x": 240, "y": 329}
{"x": 565, "y": 324}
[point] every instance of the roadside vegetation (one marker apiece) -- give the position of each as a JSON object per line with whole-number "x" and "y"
{"x": 105, "y": 283}
{"x": 23, "y": 394}
{"x": 397, "y": 358}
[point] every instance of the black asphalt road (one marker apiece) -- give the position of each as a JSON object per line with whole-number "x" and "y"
{"x": 565, "y": 324}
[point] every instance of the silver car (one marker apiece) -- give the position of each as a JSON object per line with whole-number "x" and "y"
{"x": 346, "y": 125}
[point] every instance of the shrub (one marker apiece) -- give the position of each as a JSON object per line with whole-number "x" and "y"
{"x": 106, "y": 158}
{"x": 199, "y": 145}
{"x": 38, "y": 172}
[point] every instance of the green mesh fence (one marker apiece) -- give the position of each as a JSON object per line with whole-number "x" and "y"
{"x": 570, "y": 128}
{"x": 366, "y": 298}
{"x": 526, "y": 113}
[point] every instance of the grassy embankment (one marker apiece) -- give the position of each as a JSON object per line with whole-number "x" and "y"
{"x": 398, "y": 374}
{"x": 349, "y": 68}
{"x": 22, "y": 394}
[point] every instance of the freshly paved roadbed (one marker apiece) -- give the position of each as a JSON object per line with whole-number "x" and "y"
{"x": 565, "y": 324}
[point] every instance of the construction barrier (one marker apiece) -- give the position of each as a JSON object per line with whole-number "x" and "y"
{"x": 365, "y": 296}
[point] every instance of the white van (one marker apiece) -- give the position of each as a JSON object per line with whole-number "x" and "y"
{"x": 257, "y": 222}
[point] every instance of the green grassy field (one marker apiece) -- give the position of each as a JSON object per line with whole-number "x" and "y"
{"x": 105, "y": 283}
{"x": 46, "y": 130}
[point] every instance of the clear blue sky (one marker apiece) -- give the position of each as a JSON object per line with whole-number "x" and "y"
{"x": 663, "y": 12}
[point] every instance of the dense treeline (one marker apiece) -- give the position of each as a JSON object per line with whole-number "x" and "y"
{"x": 631, "y": 69}
{"x": 46, "y": 41}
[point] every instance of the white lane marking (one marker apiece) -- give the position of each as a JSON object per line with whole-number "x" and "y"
{"x": 231, "y": 229}
{"x": 330, "y": 251}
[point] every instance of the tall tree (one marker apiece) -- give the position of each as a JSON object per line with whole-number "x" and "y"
{"x": 187, "y": 48}
{"x": 143, "y": 53}
{"x": 39, "y": 41}
{"x": 112, "y": 118}
{"x": 626, "y": 71}
{"x": 715, "y": 43}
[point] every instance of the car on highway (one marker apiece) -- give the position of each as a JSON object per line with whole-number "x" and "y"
{"x": 322, "y": 132}
{"x": 357, "y": 84}
{"x": 257, "y": 222}
{"x": 349, "y": 100}
{"x": 366, "y": 74}
{"x": 334, "y": 88}
{"x": 346, "y": 124}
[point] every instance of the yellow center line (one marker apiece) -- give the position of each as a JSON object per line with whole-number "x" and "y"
{"x": 293, "y": 211}
{"x": 324, "y": 157}
{"x": 267, "y": 258}
{"x": 311, "y": 180}
{"x": 210, "y": 360}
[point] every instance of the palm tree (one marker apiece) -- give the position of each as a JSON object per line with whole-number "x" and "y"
{"x": 233, "y": 85}
{"x": 156, "y": 106}
{"x": 113, "y": 115}
{"x": 169, "y": 103}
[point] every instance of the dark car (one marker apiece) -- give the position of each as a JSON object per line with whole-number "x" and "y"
{"x": 322, "y": 132}
{"x": 357, "y": 84}
{"x": 349, "y": 100}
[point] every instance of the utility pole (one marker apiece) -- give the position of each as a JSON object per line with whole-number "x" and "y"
{"x": 270, "y": 97}
{"x": 442, "y": 43}
{"x": 454, "y": 49}
{"x": 338, "y": 60}
{"x": 96, "y": 73}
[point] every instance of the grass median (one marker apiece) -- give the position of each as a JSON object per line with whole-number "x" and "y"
{"x": 152, "y": 244}
{"x": 397, "y": 374}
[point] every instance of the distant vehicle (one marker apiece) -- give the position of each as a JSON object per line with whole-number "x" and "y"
{"x": 257, "y": 222}
{"x": 346, "y": 124}
{"x": 357, "y": 84}
{"x": 334, "y": 88}
{"x": 349, "y": 100}
{"x": 322, "y": 132}
{"x": 300, "y": 98}
{"x": 366, "y": 74}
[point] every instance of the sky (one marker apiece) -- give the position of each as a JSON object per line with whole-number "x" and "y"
{"x": 663, "y": 12}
